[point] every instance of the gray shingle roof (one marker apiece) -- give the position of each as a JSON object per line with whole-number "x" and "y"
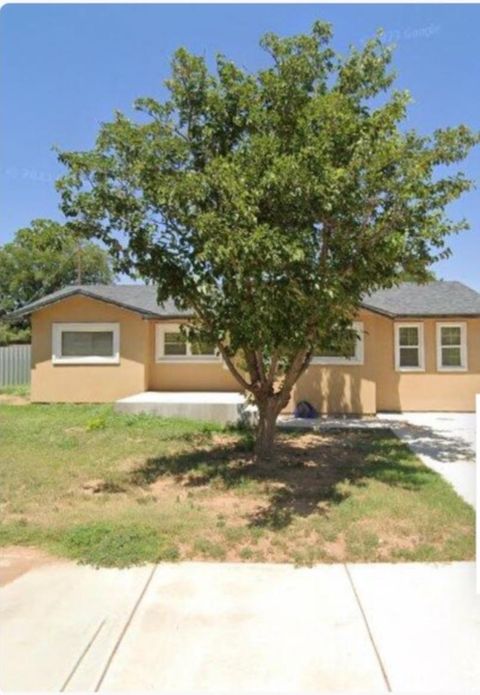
{"x": 139, "y": 298}
{"x": 440, "y": 298}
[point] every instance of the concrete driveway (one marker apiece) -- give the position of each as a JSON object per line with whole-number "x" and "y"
{"x": 238, "y": 628}
{"x": 444, "y": 442}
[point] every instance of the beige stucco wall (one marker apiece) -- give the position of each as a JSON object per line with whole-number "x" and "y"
{"x": 345, "y": 389}
{"x": 87, "y": 383}
{"x": 363, "y": 389}
{"x": 188, "y": 376}
{"x": 377, "y": 386}
{"x": 429, "y": 390}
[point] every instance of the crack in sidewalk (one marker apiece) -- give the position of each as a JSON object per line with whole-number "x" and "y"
{"x": 369, "y": 631}
{"x": 82, "y": 656}
{"x": 124, "y": 629}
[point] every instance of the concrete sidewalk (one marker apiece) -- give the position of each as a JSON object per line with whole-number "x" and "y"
{"x": 206, "y": 627}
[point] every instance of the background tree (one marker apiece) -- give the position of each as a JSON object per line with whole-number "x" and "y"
{"x": 271, "y": 202}
{"x": 43, "y": 258}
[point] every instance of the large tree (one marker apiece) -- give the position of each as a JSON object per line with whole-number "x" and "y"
{"x": 270, "y": 202}
{"x": 40, "y": 259}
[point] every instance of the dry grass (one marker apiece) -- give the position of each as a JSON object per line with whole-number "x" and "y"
{"x": 14, "y": 395}
{"x": 84, "y": 482}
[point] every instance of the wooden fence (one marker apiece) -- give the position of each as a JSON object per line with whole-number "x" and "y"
{"x": 15, "y": 365}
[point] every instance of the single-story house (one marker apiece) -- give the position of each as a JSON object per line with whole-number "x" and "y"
{"x": 418, "y": 349}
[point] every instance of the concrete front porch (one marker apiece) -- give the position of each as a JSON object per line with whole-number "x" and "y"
{"x": 215, "y": 406}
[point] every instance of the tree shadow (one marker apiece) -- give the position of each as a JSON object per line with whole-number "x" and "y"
{"x": 336, "y": 390}
{"x": 311, "y": 473}
{"x": 428, "y": 441}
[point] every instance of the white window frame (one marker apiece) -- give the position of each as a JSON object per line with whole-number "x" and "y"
{"x": 160, "y": 356}
{"x": 421, "y": 346}
{"x": 463, "y": 346}
{"x": 59, "y": 328}
{"x": 356, "y": 360}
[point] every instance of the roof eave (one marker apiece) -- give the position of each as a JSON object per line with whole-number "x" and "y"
{"x": 454, "y": 315}
{"x": 417, "y": 315}
{"x": 28, "y": 310}
{"x": 376, "y": 310}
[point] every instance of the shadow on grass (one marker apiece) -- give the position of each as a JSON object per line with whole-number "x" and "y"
{"x": 311, "y": 472}
{"x": 429, "y": 441}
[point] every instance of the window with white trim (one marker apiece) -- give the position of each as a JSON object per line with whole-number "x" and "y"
{"x": 451, "y": 347}
{"x": 173, "y": 346}
{"x": 409, "y": 347}
{"x": 353, "y": 354}
{"x": 85, "y": 343}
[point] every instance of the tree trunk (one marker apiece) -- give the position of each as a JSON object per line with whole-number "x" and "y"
{"x": 262, "y": 384}
{"x": 265, "y": 435}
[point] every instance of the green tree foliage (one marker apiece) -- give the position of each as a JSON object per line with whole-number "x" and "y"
{"x": 425, "y": 275}
{"x": 271, "y": 202}
{"x": 43, "y": 258}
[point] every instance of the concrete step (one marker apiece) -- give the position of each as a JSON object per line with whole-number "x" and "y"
{"x": 224, "y": 407}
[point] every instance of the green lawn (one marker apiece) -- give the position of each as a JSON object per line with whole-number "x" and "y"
{"x": 109, "y": 489}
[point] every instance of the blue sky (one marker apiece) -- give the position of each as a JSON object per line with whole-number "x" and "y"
{"x": 65, "y": 68}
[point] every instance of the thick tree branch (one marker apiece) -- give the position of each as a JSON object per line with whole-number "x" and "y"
{"x": 291, "y": 376}
{"x": 233, "y": 370}
{"x": 273, "y": 366}
{"x": 253, "y": 370}
{"x": 260, "y": 366}
{"x": 223, "y": 350}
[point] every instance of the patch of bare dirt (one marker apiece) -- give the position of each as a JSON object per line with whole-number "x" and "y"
{"x": 130, "y": 464}
{"x": 8, "y": 399}
{"x": 237, "y": 511}
{"x": 337, "y": 549}
{"x": 167, "y": 486}
{"x": 389, "y": 546}
{"x": 392, "y": 536}
{"x": 222, "y": 439}
{"x": 99, "y": 486}
{"x": 17, "y": 560}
